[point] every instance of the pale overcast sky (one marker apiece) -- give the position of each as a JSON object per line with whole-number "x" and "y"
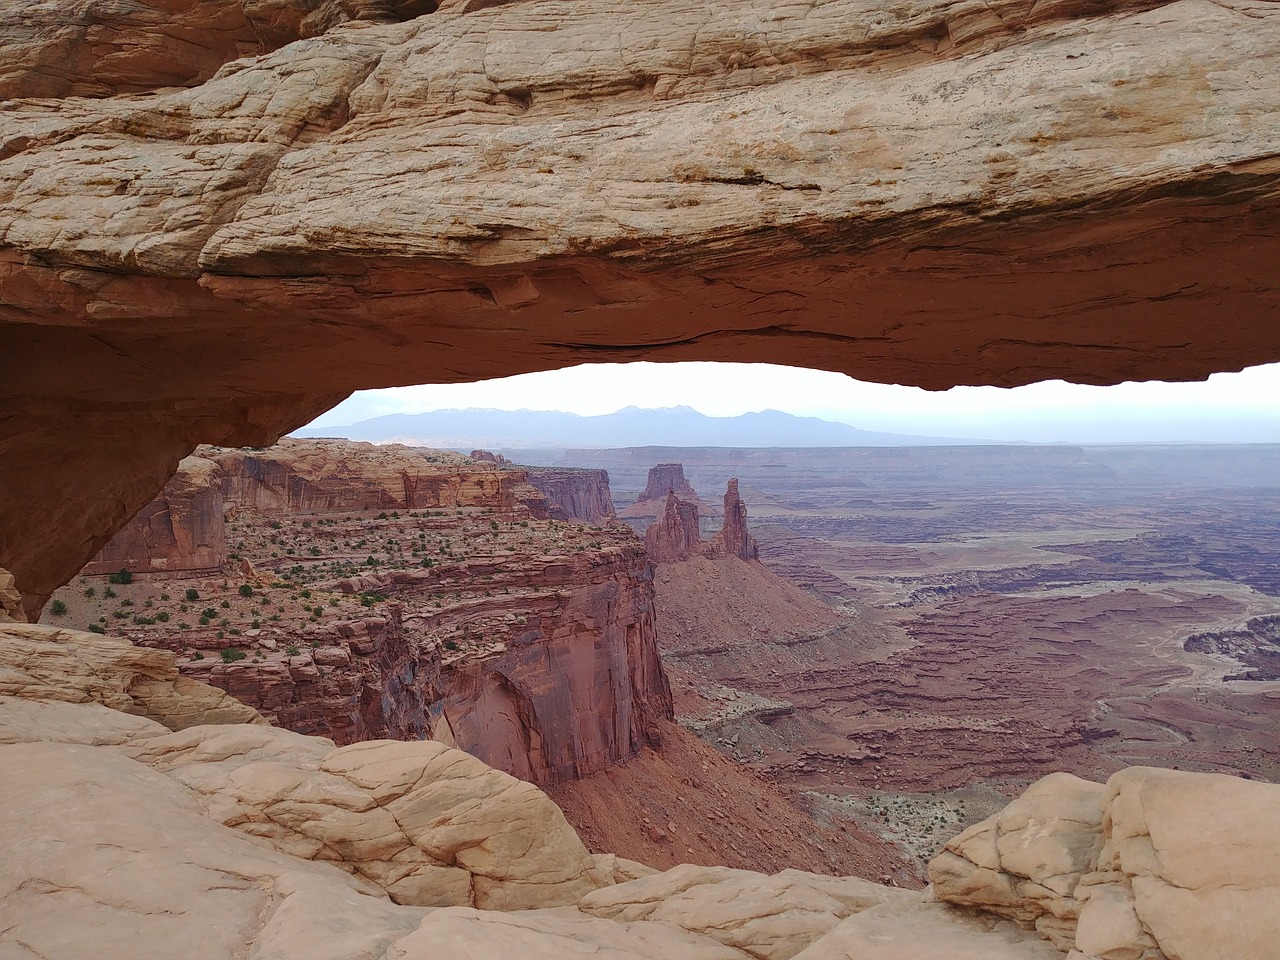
{"x": 1228, "y": 407}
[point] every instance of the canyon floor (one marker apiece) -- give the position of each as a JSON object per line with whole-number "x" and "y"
{"x": 988, "y": 615}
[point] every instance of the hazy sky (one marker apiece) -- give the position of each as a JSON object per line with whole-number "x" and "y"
{"x": 1229, "y": 407}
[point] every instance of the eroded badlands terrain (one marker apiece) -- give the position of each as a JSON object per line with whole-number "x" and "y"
{"x": 991, "y": 615}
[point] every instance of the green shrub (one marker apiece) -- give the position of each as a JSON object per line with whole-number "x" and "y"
{"x": 197, "y": 655}
{"x": 209, "y": 613}
{"x": 231, "y": 655}
{"x": 163, "y": 616}
{"x": 450, "y": 645}
{"x": 292, "y": 651}
{"x": 193, "y": 593}
{"x": 121, "y": 576}
{"x": 246, "y": 590}
{"x": 57, "y": 608}
{"x": 96, "y": 628}
{"x": 108, "y": 593}
{"x": 225, "y": 604}
{"x": 89, "y": 591}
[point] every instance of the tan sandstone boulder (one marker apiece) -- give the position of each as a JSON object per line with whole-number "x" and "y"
{"x": 1155, "y": 864}
{"x": 1024, "y": 862}
{"x": 46, "y": 663}
{"x": 429, "y": 824}
{"x": 770, "y": 917}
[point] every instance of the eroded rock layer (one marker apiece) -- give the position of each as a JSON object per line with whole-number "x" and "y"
{"x": 181, "y": 532}
{"x": 455, "y": 611}
{"x": 930, "y": 192}
{"x": 574, "y": 494}
{"x": 240, "y": 839}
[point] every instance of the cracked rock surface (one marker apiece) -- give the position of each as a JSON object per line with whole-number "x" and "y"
{"x": 123, "y": 837}
{"x": 331, "y": 197}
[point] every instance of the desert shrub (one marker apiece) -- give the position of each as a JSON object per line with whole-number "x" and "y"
{"x": 292, "y": 651}
{"x": 231, "y": 655}
{"x": 89, "y": 591}
{"x": 96, "y": 628}
{"x": 108, "y": 593}
{"x": 121, "y": 576}
{"x": 450, "y": 645}
{"x": 193, "y": 593}
{"x": 163, "y": 616}
{"x": 209, "y": 613}
{"x": 246, "y": 590}
{"x": 57, "y": 608}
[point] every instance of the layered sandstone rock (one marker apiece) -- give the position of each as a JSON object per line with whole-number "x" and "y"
{"x": 574, "y": 494}
{"x": 674, "y": 536}
{"x": 530, "y": 643}
{"x": 1006, "y": 196}
{"x": 733, "y": 539}
{"x": 47, "y": 664}
{"x": 181, "y": 531}
{"x": 1155, "y": 864}
{"x": 89, "y": 48}
{"x": 317, "y": 476}
{"x": 346, "y": 680}
{"x": 550, "y": 667}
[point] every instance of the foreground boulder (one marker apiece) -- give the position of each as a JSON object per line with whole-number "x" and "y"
{"x": 1155, "y": 864}
{"x": 123, "y": 837}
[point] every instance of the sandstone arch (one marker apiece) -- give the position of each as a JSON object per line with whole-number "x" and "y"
{"x": 928, "y": 191}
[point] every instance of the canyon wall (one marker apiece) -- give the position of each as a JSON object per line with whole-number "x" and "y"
{"x": 309, "y": 476}
{"x": 574, "y": 494}
{"x": 570, "y": 684}
{"x": 181, "y": 531}
{"x": 345, "y": 680}
{"x": 528, "y": 642}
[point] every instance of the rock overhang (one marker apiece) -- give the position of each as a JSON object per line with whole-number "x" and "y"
{"x": 930, "y": 192}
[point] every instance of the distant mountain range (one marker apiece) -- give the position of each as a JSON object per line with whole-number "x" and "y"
{"x": 630, "y": 427}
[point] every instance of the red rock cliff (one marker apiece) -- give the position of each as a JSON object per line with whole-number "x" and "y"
{"x": 348, "y": 680}
{"x": 734, "y": 538}
{"x": 550, "y": 666}
{"x": 667, "y": 478}
{"x": 180, "y": 531}
{"x": 318, "y": 476}
{"x": 528, "y": 642}
{"x": 574, "y": 494}
{"x": 674, "y": 536}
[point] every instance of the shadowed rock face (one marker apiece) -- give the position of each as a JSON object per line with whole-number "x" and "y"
{"x": 574, "y": 494}
{"x": 181, "y": 531}
{"x": 930, "y": 192}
